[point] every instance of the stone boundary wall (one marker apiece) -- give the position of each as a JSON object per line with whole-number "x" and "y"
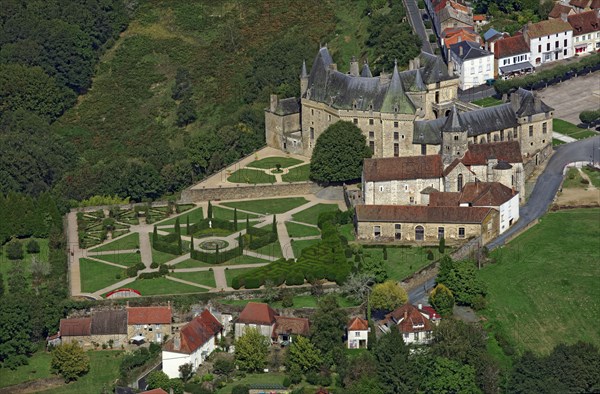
{"x": 529, "y": 167}
{"x": 248, "y": 191}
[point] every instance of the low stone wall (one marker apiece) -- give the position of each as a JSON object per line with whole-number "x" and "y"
{"x": 248, "y": 191}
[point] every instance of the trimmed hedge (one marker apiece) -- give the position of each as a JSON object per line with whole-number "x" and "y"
{"x": 215, "y": 223}
{"x": 216, "y": 258}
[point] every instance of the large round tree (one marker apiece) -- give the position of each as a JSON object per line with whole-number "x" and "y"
{"x": 339, "y": 153}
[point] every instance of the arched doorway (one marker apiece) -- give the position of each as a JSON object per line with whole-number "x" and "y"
{"x": 419, "y": 233}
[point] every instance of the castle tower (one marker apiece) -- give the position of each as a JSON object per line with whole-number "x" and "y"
{"x": 354, "y": 67}
{"x": 303, "y": 79}
{"x": 454, "y": 137}
{"x": 366, "y": 71}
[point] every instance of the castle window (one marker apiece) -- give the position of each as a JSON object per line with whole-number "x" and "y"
{"x": 515, "y": 134}
{"x": 496, "y": 138}
{"x": 531, "y": 131}
{"x": 380, "y": 188}
{"x": 402, "y": 136}
{"x": 544, "y": 127}
{"x": 329, "y": 118}
{"x": 395, "y": 108}
{"x": 376, "y": 231}
{"x": 312, "y": 133}
{"x": 459, "y": 182}
{"x": 371, "y": 121}
{"x": 455, "y": 138}
{"x": 312, "y": 111}
{"x": 372, "y": 146}
{"x": 371, "y": 135}
{"x": 461, "y": 232}
{"x": 405, "y": 188}
{"x": 355, "y": 120}
{"x": 412, "y": 200}
{"x": 395, "y": 124}
{"x": 398, "y": 231}
{"x": 371, "y": 107}
{"x": 440, "y": 232}
{"x": 419, "y": 233}
{"x": 512, "y": 180}
{"x": 395, "y": 136}
{"x": 501, "y": 135}
{"x": 437, "y": 97}
{"x": 423, "y": 149}
{"x": 354, "y": 106}
{"x": 396, "y": 150}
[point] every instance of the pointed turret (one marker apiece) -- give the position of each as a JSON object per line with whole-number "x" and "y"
{"x": 454, "y": 122}
{"x": 366, "y": 71}
{"x": 303, "y": 79}
{"x": 395, "y": 98}
{"x": 419, "y": 84}
{"x": 303, "y": 73}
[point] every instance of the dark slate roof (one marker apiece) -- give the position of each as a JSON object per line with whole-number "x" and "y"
{"x": 526, "y": 103}
{"x": 434, "y": 70}
{"x": 490, "y": 33}
{"x": 453, "y": 122}
{"x": 477, "y": 122}
{"x": 288, "y": 106}
{"x": 395, "y": 99}
{"x": 366, "y": 71}
{"x": 110, "y": 322}
{"x": 470, "y": 50}
{"x": 413, "y": 81}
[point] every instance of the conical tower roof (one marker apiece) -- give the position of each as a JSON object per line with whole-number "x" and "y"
{"x": 366, "y": 71}
{"x": 303, "y": 73}
{"x": 453, "y": 123}
{"x": 395, "y": 98}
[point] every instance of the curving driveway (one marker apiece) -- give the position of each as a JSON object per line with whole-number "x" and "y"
{"x": 540, "y": 199}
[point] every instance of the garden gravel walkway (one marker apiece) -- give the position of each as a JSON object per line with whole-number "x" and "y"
{"x": 187, "y": 282}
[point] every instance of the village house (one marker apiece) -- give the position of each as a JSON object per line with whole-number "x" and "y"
{"x": 151, "y": 324}
{"x": 586, "y": 32}
{"x": 286, "y": 327}
{"x": 279, "y": 329}
{"x": 192, "y": 344}
{"x": 549, "y": 40}
{"x": 561, "y": 11}
{"x": 480, "y": 20}
{"x": 358, "y": 333}
{"x": 448, "y": 14}
{"x": 413, "y": 324}
{"x": 455, "y": 35}
{"x": 580, "y": 6}
{"x": 473, "y": 64}
{"x": 77, "y": 330}
{"x": 511, "y": 57}
{"x": 101, "y": 328}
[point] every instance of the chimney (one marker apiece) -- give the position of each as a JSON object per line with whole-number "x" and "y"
{"x": 460, "y": 51}
{"x": 417, "y": 62}
{"x": 411, "y": 64}
{"x": 459, "y": 38}
{"x": 492, "y": 47}
{"x": 420, "y": 306}
{"x": 487, "y": 46}
{"x": 169, "y": 304}
{"x": 354, "y": 67}
{"x": 450, "y": 67}
{"x": 274, "y": 101}
{"x": 333, "y": 67}
{"x": 177, "y": 341}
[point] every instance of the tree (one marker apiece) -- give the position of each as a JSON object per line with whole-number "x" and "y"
{"x": 339, "y": 153}
{"x": 235, "y": 219}
{"x": 209, "y": 211}
{"x": 360, "y": 367}
{"x": 358, "y": 286}
{"x": 442, "y": 245}
{"x": 223, "y": 366}
{"x": 461, "y": 278}
{"x": 158, "y": 379}
{"x": 589, "y": 116}
{"x": 388, "y": 295}
{"x": 375, "y": 268}
{"x": 186, "y": 371}
{"x": 1, "y": 285}
{"x": 447, "y": 376}
{"x": 70, "y": 361}
{"x": 442, "y": 300}
{"x": 392, "y": 363}
{"x": 274, "y": 225}
{"x": 251, "y": 351}
{"x": 14, "y": 250}
{"x": 15, "y": 331}
{"x": 328, "y": 325}
{"x": 186, "y": 112}
{"x": 303, "y": 354}
{"x": 177, "y": 226}
{"x": 271, "y": 292}
{"x": 183, "y": 84}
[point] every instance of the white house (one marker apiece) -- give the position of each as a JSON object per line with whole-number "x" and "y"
{"x": 483, "y": 194}
{"x": 412, "y": 323}
{"x": 358, "y": 333}
{"x": 512, "y": 56}
{"x": 192, "y": 344}
{"x": 586, "y": 32}
{"x": 549, "y": 40}
{"x": 472, "y": 64}
{"x": 256, "y": 315}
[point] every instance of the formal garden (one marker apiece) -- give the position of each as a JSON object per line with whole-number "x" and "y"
{"x": 270, "y": 170}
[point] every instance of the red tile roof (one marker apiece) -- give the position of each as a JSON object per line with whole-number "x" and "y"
{"x": 149, "y": 315}
{"x": 155, "y": 391}
{"x": 408, "y": 319}
{"x": 430, "y": 312}
{"x": 580, "y": 3}
{"x": 479, "y": 17}
{"x": 421, "y": 214}
{"x": 399, "y": 168}
{"x": 465, "y": 36}
{"x": 290, "y": 325}
{"x": 595, "y": 4}
{"x": 508, "y": 151}
{"x": 358, "y": 324}
{"x": 584, "y": 23}
{"x": 545, "y": 28}
{"x": 477, "y": 194}
{"x": 257, "y": 313}
{"x": 76, "y": 327}
{"x": 558, "y": 10}
{"x": 196, "y": 333}
{"x": 510, "y": 46}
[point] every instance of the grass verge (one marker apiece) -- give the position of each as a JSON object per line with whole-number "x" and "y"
{"x": 158, "y": 286}
{"x": 126, "y": 259}
{"x": 268, "y": 206}
{"x": 96, "y": 276}
{"x": 296, "y": 230}
{"x": 299, "y": 246}
{"x": 206, "y": 278}
{"x": 247, "y": 175}
{"x": 130, "y": 241}
{"x": 487, "y": 102}
{"x": 571, "y": 130}
{"x": 297, "y": 174}
{"x": 311, "y": 215}
{"x": 195, "y": 215}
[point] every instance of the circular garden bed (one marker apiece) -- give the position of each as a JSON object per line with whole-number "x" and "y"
{"x": 213, "y": 244}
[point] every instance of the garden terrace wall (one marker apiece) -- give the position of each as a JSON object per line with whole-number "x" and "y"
{"x": 239, "y": 191}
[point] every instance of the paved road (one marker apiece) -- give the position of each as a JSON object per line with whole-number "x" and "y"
{"x": 542, "y": 196}
{"x": 416, "y": 22}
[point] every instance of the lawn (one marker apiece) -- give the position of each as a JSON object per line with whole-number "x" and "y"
{"x": 298, "y": 246}
{"x": 567, "y": 128}
{"x": 130, "y": 241}
{"x": 227, "y": 214}
{"x": 544, "y": 290}
{"x": 487, "y": 102}
{"x": 206, "y": 278}
{"x": 264, "y": 378}
{"x": 594, "y": 175}
{"x": 271, "y": 162}
{"x": 96, "y": 276}
{"x": 126, "y": 259}
{"x": 347, "y": 230}
{"x": 162, "y": 257}
{"x": 191, "y": 263}
{"x": 300, "y": 230}
{"x": 297, "y": 174}
{"x": 268, "y": 206}
{"x": 573, "y": 180}
{"x": 232, "y": 273}
{"x": 402, "y": 262}
{"x": 311, "y": 215}
{"x": 195, "y": 215}
{"x": 273, "y": 250}
{"x": 158, "y": 286}
{"x": 247, "y": 175}
{"x": 104, "y": 369}
{"x": 38, "y": 368}
{"x": 556, "y": 142}
{"x": 6, "y": 264}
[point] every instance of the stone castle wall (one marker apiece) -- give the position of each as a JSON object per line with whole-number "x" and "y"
{"x": 249, "y": 191}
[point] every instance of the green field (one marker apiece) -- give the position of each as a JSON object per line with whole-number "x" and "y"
{"x": 544, "y": 289}
{"x": 566, "y": 128}
{"x": 296, "y": 230}
{"x": 126, "y": 259}
{"x": 402, "y": 262}
{"x": 158, "y": 286}
{"x": 487, "y": 102}
{"x": 38, "y": 368}
{"x": 232, "y": 273}
{"x": 299, "y": 246}
{"x": 227, "y": 214}
{"x": 6, "y": 264}
{"x": 195, "y": 215}
{"x": 297, "y": 174}
{"x": 247, "y": 175}
{"x": 130, "y": 241}
{"x": 311, "y": 215}
{"x": 96, "y": 276}
{"x": 271, "y": 162}
{"x": 268, "y": 206}
{"x": 206, "y": 278}
{"x": 594, "y": 175}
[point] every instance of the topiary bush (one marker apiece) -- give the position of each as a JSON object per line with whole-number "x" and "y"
{"x": 252, "y": 283}
{"x": 14, "y": 250}
{"x": 33, "y": 246}
{"x": 295, "y": 279}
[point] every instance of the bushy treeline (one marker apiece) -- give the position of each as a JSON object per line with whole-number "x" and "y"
{"x": 22, "y": 216}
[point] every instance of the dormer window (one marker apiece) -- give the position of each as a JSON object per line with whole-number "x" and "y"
{"x": 395, "y": 108}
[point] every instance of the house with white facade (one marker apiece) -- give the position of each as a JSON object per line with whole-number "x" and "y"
{"x": 473, "y": 64}
{"x": 358, "y": 333}
{"x": 256, "y": 315}
{"x": 192, "y": 344}
{"x": 586, "y": 32}
{"x": 549, "y": 40}
{"x": 413, "y": 324}
{"x": 483, "y": 194}
{"x": 512, "y": 57}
